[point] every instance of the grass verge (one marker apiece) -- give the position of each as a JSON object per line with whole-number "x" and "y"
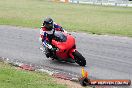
{"x": 14, "y": 78}
{"x": 73, "y": 17}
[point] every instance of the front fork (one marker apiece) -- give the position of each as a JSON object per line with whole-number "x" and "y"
{"x": 71, "y": 53}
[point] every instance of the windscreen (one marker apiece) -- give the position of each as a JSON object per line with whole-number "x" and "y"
{"x": 59, "y": 36}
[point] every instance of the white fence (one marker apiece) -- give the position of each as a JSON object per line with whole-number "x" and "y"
{"x": 103, "y": 2}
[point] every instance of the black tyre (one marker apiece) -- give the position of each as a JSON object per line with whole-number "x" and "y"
{"x": 79, "y": 58}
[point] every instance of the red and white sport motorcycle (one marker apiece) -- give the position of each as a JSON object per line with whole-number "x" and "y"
{"x": 65, "y": 49}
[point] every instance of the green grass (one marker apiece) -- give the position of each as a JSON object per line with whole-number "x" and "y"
{"x": 13, "y": 78}
{"x": 73, "y": 17}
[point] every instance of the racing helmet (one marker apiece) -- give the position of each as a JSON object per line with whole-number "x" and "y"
{"x": 48, "y": 23}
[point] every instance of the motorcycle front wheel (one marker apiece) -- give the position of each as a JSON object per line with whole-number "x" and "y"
{"x": 79, "y": 59}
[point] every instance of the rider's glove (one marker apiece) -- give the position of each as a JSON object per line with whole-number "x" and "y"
{"x": 49, "y": 46}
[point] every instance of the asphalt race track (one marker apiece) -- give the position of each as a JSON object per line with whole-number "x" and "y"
{"x": 108, "y": 57}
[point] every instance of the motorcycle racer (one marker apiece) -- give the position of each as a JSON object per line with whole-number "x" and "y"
{"x": 47, "y": 33}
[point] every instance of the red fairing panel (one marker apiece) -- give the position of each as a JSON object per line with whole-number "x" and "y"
{"x": 65, "y": 48}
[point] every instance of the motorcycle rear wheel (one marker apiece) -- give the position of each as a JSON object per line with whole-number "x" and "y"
{"x": 79, "y": 59}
